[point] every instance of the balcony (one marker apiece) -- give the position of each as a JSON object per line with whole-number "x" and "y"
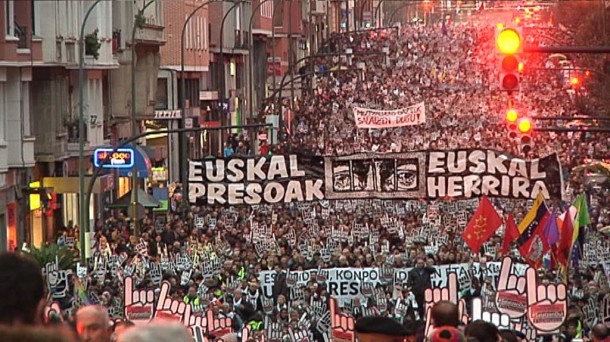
{"x": 148, "y": 31}
{"x": 51, "y": 147}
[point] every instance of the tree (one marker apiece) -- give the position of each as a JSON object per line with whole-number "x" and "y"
{"x": 46, "y": 254}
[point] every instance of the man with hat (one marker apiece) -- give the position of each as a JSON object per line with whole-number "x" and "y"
{"x": 380, "y": 329}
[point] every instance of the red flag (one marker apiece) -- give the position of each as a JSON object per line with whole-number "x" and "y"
{"x": 564, "y": 246}
{"x": 482, "y": 225}
{"x": 511, "y": 233}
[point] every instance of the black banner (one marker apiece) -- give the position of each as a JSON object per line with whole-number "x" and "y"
{"x": 411, "y": 175}
{"x": 441, "y": 174}
{"x": 255, "y": 180}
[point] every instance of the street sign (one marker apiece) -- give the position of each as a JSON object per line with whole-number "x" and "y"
{"x": 109, "y": 158}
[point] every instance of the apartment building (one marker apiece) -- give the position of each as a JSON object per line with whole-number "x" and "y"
{"x": 20, "y": 52}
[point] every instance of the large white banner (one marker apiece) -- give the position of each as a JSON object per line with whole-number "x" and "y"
{"x": 347, "y": 283}
{"x": 373, "y": 118}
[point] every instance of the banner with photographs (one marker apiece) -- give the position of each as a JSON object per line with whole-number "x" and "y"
{"x": 373, "y": 118}
{"x": 467, "y": 173}
{"x": 256, "y": 180}
{"x": 347, "y": 283}
{"x": 463, "y": 173}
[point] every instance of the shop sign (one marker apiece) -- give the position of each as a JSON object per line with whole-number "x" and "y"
{"x": 109, "y": 158}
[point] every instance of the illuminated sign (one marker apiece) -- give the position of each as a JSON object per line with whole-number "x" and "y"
{"x": 109, "y": 158}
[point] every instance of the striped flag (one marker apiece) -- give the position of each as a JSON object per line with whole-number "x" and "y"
{"x": 532, "y": 242}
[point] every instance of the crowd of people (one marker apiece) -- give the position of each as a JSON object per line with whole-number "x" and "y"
{"x": 213, "y": 257}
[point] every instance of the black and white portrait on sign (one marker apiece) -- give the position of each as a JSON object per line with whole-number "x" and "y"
{"x": 342, "y": 176}
{"x": 390, "y": 175}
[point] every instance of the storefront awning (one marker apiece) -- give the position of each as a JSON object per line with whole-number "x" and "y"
{"x": 70, "y": 185}
{"x": 141, "y": 163}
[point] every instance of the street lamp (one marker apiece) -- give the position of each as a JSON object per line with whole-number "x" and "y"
{"x": 221, "y": 69}
{"x": 181, "y": 137}
{"x": 81, "y": 129}
{"x": 377, "y": 19}
{"x": 251, "y": 56}
{"x": 134, "y": 131}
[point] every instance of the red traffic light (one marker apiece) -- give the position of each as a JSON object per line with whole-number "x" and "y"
{"x": 587, "y": 73}
{"x": 508, "y": 41}
{"x": 511, "y": 115}
{"x": 525, "y": 125}
{"x": 510, "y": 82}
{"x": 510, "y": 63}
{"x": 574, "y": 81}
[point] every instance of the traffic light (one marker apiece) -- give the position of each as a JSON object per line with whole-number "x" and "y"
{"x": 525, "y": 128}
{"x": 511, "y": 119}
{"x": 508, "y": 47}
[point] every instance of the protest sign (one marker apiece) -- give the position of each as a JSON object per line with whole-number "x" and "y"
{"x": 347, "y": 283}
{"x": 373, "y": 118}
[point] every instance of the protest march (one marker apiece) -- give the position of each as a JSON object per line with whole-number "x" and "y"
{"x": 395, "y": 187}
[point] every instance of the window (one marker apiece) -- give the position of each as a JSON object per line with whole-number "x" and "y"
{"x": 9, "y": 14}
{"x": 161, "y": 99}
{"x": 279, "y": 13}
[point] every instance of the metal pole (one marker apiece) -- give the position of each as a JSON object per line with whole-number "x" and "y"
{"x": 181, "y": 137}
{"x": 568, "y": 49}
{"x": 273, "y": 40}
{"x": 377, "y": 14}
{"x": 575, "y": 129}
{"x": 221, "y": 69}
{"x": 81, "y": 133}
{"x": 346, "y": 15}
{"x": 291, "y": 63}
{"x": 134, "y": 122}
{"x": 251, "y": 59}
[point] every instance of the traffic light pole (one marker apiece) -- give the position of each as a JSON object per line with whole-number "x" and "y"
{"x": 568, "y": 49}
{"x": 570, "y": 129}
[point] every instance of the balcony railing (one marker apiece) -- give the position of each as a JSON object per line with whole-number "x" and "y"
{"x": 73, "y": 131}
{"x": 21, "y": 32}
{"x": 116, "y": 41}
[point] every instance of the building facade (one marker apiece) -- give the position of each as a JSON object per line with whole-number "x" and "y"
{"x": 20, "y": 52}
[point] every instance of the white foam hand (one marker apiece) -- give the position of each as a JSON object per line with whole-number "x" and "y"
{"x": 139, "y": 304}
{"x": 606, "y": 310}
{"x": 299, "y": 336}
{"x": 342, "y": 325}
{"x": 500, "y": 320}
{"x": 218, "y": 326}
{"x": 448, "y": 293}
{"x": 511, "y": 298}
{"x": 172, "y": 309}
{"x": 547, "y": 304}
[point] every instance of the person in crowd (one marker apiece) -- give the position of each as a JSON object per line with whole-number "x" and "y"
{"x": 600, "y": 333}
{"x": 120, "y": 327}
{"x": 379, "y": 329}
{"x": 445, "y": 313}
{"x": 157, "y": 331}
{"x": 23, "y": 288}
{"x": 508, "y": 336}
{"x": 447, "y": 334}
{"x": 483, "y": 331}
{"x": 93, "y": 324}
{"x": 418, "y": 281}
{"x": 24, "y": 333}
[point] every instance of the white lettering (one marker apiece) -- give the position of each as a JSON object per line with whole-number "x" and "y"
{"x": 195, "y": 171}
{"x": 436, "y": 163}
